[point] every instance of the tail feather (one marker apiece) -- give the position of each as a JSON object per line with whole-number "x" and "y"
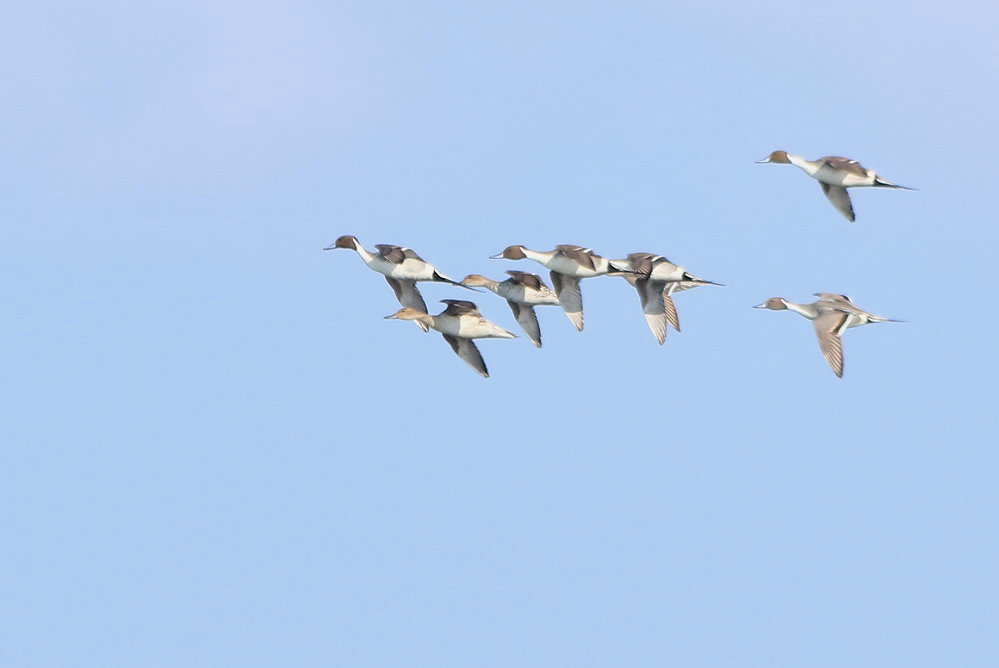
{"x": 880, "y": 182}
{"x": 444, "y": 279}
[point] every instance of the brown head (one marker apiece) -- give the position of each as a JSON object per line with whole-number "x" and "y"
{"x": 511, "y": 253}
{"x": 476, "y": 280}
{"x": 780, "y": 157}
{"x": 406, "y": 313}
{"x": 774, "y": 304}
{"x": 346, "y": 241}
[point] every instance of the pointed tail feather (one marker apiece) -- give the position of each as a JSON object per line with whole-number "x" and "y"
{"x": 883, "y": 183}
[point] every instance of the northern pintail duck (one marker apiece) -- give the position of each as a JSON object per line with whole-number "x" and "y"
{"x": 402, "y": 268}
{"x": 831, "y": 315}
{"x": 522, "y": 291}
{"x": 459, "y": 323}
{"x": 656, "y": 279}
{"x": 835, "y": 175}
{"x": 567, "y": 265}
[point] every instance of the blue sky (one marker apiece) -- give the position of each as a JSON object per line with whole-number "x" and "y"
{"x": 217, "y": 452}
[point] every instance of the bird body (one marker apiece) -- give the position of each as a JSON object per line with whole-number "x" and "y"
{"x": 656, "y": 279}
{"x": 567, "y": 265}
{"x": 831, "y": 315}
{"x": 835, "y": 174}
{"x": 402, "y": 269}
{"x": 459, "y": 323}
{"x": 396, "y": 262}
{"x": 522, "y": 291}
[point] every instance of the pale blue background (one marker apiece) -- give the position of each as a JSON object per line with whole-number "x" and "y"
{"x": 217, "y": 453}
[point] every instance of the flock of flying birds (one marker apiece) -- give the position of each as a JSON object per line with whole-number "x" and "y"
{"x": 654, "y": 277}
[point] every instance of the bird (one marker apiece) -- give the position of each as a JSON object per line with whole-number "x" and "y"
{"x": 567, "y": 265}
{"x": 656, "y": 279}
{"x": 459, "y": 323}
{"x": 835, "y": 174}
{"x": 402, "y": 268}
{"x": 831, "y": 315}
{"x": 522, "y": 291}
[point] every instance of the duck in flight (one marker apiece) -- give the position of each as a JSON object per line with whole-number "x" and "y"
{"x": 522, "y": 291}
{"x": 835, "y": 174}
{"x": 567, "y": 265}
{"x": 831, "y": 315}
{"x": 402, "y": 268}
{"x": 459, "y": 323}
{"x": 656, "y": 280}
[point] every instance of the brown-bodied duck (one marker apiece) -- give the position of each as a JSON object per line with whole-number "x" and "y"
{"x": 522, "y": 291}
{"x": 459, "y": 323}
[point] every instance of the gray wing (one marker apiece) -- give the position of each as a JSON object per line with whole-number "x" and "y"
{"x": 569, "y": 296}
{"x": 583, "y": 256}
{"x": 845, "y": 164}
{"x": 669, "y": 305}
{"x": 527, "y": 280}
{"x": 840, "y": 199}
{"x": 832, "y": 297}
{"x": 460, "y": 307}
{"x": 408, "y": 295}
{"x": 468, "y": 351}
{"x": 829, "y": 326}
{"x": 651, "y": 294}
{"x": 528, "y": 321}
{"x": 641, "y": 263}
{"x": 393, "y": 254}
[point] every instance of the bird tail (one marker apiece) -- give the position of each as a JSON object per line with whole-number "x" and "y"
{"x": 444, "y": 279}
{"x": 882, "y": 183}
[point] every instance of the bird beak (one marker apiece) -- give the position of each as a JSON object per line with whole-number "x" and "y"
{"x": 498, "y": 256}
{"x": 330, "y": 248}
{"x": 763, "y": 305}
{"x": 391, "y": 317}
{"x": 764, "y": 160}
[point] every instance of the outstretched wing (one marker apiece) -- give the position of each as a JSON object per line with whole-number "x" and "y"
{"x": 840, "y": 199}
{"x": 393, "y": 254}
{"x": 532, "y": 281}
{"x": 528, "y": 321}
{"x": 578, "y": 254}
{"x": 408, "y": 295}
{"x": 829, "y": 327}
{"x": 641, "y": 263}
{"x": 845, "y": 164}
{"x": 651, "y": 294}
{"x": 669, "y": 305}
{"x": 833, "y": 297}
{"x": 459, "y": 307}
{"x": 569, "y": 296}
{"x": 468, "y": 351}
